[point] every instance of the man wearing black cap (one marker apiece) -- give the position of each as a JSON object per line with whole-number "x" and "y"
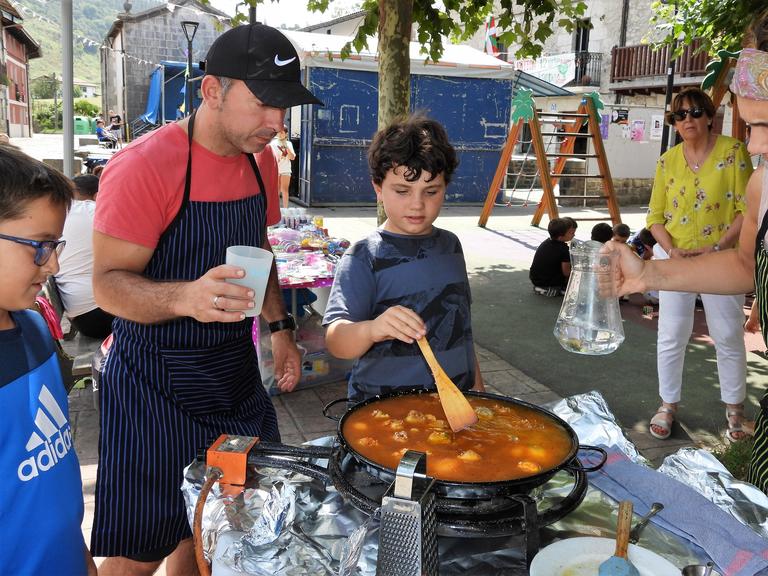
{"x": 182, "y": 368}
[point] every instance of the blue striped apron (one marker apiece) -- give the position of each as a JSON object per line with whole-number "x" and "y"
{"x": 758, "y": 466}
{"x": 170, "y": 389}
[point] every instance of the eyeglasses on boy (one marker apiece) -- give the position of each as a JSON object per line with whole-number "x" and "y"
{"x": 43, "y": 248}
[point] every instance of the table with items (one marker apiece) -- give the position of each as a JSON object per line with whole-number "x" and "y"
{"x": 306, "y": 258}
{"x": 302, "y": 511}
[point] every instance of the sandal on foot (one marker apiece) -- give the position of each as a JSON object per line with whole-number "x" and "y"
{"x": 661, "y": 421}
{"x": 738, "y": 428}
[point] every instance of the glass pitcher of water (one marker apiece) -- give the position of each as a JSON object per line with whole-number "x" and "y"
{"x": 590, "y": 321}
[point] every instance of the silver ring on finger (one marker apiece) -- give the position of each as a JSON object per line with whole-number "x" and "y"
{"x": 216, "y": 302}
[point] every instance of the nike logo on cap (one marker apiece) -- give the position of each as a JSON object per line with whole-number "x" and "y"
{"x": 279, "y": 62}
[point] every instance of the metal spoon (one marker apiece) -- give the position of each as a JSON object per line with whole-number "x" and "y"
{"x": 634, "y": 536}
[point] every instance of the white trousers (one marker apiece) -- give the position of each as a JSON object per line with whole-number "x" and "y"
{"x": 725, "y": 320}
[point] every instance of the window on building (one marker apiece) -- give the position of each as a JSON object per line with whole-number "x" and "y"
{"x": 581, "y": 36}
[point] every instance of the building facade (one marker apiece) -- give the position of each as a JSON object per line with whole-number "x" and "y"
{"x": 137, "y": 43}
{"x": 16, "y": 49}
{"x": 613, "y": 55}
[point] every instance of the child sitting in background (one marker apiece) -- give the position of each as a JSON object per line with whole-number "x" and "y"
{"x": 601, "y": 232}
{"x": 621, "y": 233}
{"x": 408, "y": 279}
{"x": 104, "y": 135}
{"x": 551, "y": 266}
{"x": 42, "y": 498}
{"x": 642, "y": 243}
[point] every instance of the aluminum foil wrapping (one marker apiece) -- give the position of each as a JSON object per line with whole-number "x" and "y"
{"x": 704, "y": 473}
{"x": 286, "y": 524}
{"x": 593, "y": 422}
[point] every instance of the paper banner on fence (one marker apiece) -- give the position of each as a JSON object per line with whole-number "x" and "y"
{"x": 605, "y": 122}
{"x": 638, "y": 131}
{"x": 625, "y": 131}
{"x": 657, "y": 126}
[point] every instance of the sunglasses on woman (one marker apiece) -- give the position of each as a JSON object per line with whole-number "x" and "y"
{"x": 680, "y": 115}
{"x": 43, "y": 248}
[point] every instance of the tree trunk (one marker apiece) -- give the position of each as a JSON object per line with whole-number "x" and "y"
{"x": 395, "y": 17}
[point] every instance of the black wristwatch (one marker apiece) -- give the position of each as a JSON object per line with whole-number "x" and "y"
{"x": 287, "y": 323}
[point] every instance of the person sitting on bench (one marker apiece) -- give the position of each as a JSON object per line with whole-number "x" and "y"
{"x": 104, "y": 135}
{"x": 75, "y": 277}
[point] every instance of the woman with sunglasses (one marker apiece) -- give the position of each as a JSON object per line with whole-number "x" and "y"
{"x": 697, "y": 207}
{"x": 746, "y": 267}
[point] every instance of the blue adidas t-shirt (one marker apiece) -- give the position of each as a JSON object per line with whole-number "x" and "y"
{"x": 424, "y": 273}
{"x": 41, "y": 495}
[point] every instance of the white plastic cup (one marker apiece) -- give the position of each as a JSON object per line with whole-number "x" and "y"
{"x": 257, "y": 264}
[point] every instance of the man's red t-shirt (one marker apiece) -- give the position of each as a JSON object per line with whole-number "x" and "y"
{"x": 142, "y": 187}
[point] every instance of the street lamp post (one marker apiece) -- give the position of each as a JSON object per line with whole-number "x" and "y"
{"x": 190, "y": 28}
{"x": 670, "y": 85}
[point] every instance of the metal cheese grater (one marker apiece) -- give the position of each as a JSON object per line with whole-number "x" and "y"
{"x": 408, "y": 532}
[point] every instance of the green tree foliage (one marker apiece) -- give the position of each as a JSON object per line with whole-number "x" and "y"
{"x": 525, "y": 23}
{"x": 85, "y": 108}
{"x": 47, "y": 118}
{"x": 43, "y": 87}
{"x": 720, "y": 23}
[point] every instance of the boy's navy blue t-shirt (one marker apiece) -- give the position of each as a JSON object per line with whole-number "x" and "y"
{"x": 424, "y": 273}
{"x": 41, "y": 500}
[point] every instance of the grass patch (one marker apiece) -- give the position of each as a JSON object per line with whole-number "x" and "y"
{"x": 735, "y": 457}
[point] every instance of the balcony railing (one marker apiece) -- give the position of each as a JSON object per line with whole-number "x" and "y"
{"x": 641, "y": 61}
{"x": 588, "y": 66}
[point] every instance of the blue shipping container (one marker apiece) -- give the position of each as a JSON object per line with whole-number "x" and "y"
{"x": 334, "y": 167}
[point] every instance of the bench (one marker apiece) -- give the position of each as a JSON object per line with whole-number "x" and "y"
{"x": 76, "y": 348}
{"x": 58, "y": 164}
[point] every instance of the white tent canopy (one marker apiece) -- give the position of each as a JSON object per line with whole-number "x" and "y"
{"x": 324, "y": 51}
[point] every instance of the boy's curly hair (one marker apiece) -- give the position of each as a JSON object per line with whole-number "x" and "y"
{"x": 418, "y": 143}
{"x": 24, "y": 179}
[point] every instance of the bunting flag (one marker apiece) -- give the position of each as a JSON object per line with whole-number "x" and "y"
{"x": 491, "y": 43}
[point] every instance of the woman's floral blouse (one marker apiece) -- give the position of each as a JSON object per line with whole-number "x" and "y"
{"x": 697, "y": 208}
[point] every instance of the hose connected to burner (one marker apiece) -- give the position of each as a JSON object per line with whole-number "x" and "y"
{"x": 212, "y": 475}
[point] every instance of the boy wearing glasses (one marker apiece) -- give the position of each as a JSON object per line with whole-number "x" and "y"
{"x": 42, "y": 493}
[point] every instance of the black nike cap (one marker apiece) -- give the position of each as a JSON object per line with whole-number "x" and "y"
{"x": 265, "y": 60}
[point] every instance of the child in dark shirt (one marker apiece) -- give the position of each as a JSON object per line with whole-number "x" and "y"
{"x": 42, "y": 498}
{"x": 551, "y": 266}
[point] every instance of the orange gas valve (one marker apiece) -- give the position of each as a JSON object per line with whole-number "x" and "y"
{"x": 230, "y": 455}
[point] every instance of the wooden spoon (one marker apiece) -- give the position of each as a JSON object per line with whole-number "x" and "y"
{"x": 457, "y": 408}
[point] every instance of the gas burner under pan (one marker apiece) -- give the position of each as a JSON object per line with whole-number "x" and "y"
{"x": 496, "y": 515}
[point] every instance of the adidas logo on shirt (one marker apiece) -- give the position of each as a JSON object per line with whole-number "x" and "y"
{"x": 51, "y": 444}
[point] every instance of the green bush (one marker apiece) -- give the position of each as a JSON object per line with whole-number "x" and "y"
{"x": 735, "y": 457}
{"x": 47, "y": 118}
{"x": 85, "y": 108}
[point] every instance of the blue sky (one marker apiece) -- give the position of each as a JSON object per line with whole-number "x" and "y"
{"x": 286, "y": 12}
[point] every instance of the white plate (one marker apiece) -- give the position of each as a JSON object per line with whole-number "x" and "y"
{"x": 583, "y": 556}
